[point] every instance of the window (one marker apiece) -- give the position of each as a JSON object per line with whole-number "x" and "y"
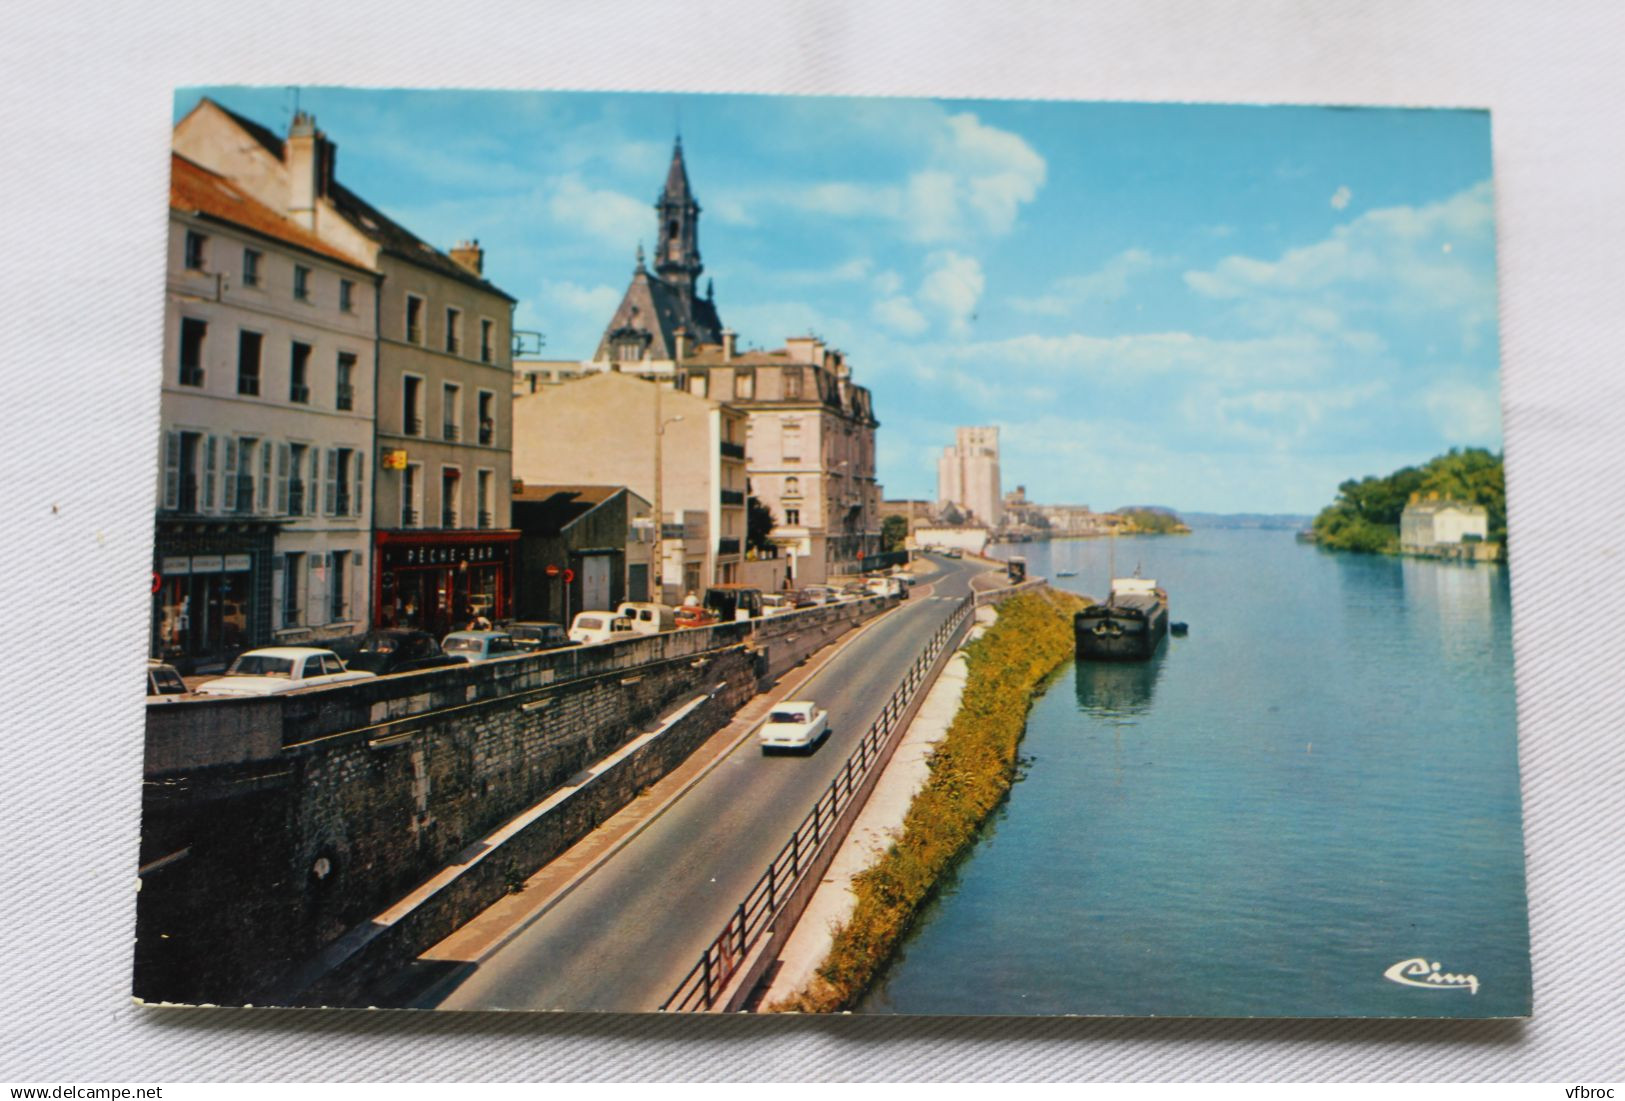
{"x": 347, "y": 296}
{"x": 792, "y": 516}
{"x": 301, "y": 283}
{"x": 411, "y": 495}
{"x": 344, "y": 392}
{"x": 194, "y": 250}
{"x": 450, "y": 479}
{"x": 451, "y": 411}
{"x": 791, "y": 441}
{"x": 294, "y": 501}
{"x": 488, "y": 414}
{"x": 192, "y": 334}
{"x": 792, "y": 486}
{"x": 292, "y": 570}
{"x": 411, "y": 405}
{"x": 454, "y": 330}
{"x": 414, "y": 319}
{"x": 792, "y": 383}
{"x": 744, "y": 385}
{"x": 336, "y": 587}
{"x": 482, "y": 493}
{"x": 251, "y": 268}
{"x": 240, "y": 475}
{"x": 487, "y": 336}
{"x": 248, "y": 362}
{"x": 336, "y": 498}
{"x": 298, "y": 369}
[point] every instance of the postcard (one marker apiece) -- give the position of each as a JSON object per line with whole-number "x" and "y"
{"x": 1029, "y": 558}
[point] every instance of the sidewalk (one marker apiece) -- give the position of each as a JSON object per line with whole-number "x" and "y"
{"x": 876, "y": 827}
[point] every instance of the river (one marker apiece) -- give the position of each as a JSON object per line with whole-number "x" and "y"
{"x": 1318, "y": 783}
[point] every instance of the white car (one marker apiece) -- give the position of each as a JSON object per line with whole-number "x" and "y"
{"x": 280, "y": 669}
{"x": 594, "y": 626}
{"x": 794, "y": 724}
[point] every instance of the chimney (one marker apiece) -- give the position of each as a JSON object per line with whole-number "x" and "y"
{"x": 730, "y": 344}
{"x": 683, "y": 343}
{"x": 309, "y": 157}
{"x": 470, "y": 256}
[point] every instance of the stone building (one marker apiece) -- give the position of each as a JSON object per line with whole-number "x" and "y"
{"x": 581, "y": 548}
{"x": 968, "y": 475}
{"x": 443, "y": 546}
{"x": 682, "y": 452}
{"x": 1435, "y": 522}
{"x": 264, "y": 509}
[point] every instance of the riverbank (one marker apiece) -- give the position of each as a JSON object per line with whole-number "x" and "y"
{"x": 968, "y": 773}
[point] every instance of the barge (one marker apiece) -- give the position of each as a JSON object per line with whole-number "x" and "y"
{"x": 1129, "y": 626}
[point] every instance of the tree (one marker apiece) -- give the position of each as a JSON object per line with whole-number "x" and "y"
{"x": 893, "y": 532}
{"x": 759, "y": 524}
{"x": 1365, "y": 516}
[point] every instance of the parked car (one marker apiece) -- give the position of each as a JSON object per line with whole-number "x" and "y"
{"x": 535, "y": 637}
{"x": 954, "y": 552}
{"x": 794, "y": 724}
{"x": 886, "y": 586}
{"x": 692, "y": 615}
{"x": 477, "y": 646}
{"x": 776, "y": 604}
{"x": 400, "y": 651}
{"x": 804, "y": 598}
{"x": 820, "y": 594}
{"x": 277, "y": 669}
{"x": 599, "y": 626}
{"x": 163, "y": 682}
{"x": 647, "y": 619}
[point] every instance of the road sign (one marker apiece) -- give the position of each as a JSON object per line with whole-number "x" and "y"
{"x": 569, "y": 576}
{"x": 551, "y": 571}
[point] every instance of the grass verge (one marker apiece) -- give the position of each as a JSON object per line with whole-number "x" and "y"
{"x": 971, "y": 771}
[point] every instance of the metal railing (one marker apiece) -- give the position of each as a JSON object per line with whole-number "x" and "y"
{"x": 753, "y": 916}
{"x": 732, "y": 450}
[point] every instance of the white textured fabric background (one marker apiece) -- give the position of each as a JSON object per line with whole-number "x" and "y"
{"x": 84, "y": 124}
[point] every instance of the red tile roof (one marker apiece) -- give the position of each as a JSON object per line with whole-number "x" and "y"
{"x": 195, "y": 190}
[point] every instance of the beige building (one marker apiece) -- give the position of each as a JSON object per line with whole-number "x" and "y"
{"x": 264, "y": 511}
{"x": 685, "y": 452}
{"x": 443, "y": 544}
{"x": 968, "y": 475}
{"x": 1433, "y": 522}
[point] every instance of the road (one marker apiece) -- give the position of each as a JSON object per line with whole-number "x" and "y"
{"x": 625, "y": 937}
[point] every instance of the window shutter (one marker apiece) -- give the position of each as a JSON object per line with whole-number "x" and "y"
{"x": 207, "y": 503}
{"x": 172, "y": 470}
{"x": 355, "y": 501}
{"x": 316, "y": 592}
{"x": 276, "y": 590}
{"x": 312, "y": 495}
{"x": 332, "y": 491}
{"x": 282, "y": 458}
{"x": 264, "y": 500}
{"x": 228, "y": 499}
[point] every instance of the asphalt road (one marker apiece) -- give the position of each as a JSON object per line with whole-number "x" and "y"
{"x": 625, "y": 937}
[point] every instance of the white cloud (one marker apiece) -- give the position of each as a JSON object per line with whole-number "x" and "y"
{"x": 899, "y": 315}
{"x": 613, "y": 218}
{"x": 1341, "y": 197}
{"x": 887, "y": 282}
{"x": 1464, "y": 413}
{"x": 563, "y": 296}
{"x": 953, "y": 285}
{"x": 1105, "y": 284}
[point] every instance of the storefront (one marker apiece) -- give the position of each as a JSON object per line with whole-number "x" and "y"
{"x": 211, "y": 593}
{"x": 440, "y": 581}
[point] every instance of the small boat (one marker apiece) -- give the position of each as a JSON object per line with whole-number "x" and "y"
{"x": 1129, "y": 626}
{"x": 1179, "y": 630}
{"x": 1066, "y": 573}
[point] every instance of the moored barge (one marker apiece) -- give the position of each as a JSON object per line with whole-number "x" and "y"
{"x": 1129, "y": 626}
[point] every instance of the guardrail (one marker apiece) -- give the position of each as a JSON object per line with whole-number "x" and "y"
{"x": 721, "y": 959}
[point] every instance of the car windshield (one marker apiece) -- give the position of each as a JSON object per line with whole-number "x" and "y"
{"x": 461, "y": 646}
{"x": 787, "y": 717}
{"x": 261, "y": 665}
{"x": 167, "y": 681}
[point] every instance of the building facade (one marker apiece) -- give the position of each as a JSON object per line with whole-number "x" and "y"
{"x": 582, "y": 548}
{"x": 1434, "y": 522}
{"x": 682, "y": 452}
{"x": 267, "y": 407}
{"x": 968, "y": 475}
{"x": 443, "y": 546}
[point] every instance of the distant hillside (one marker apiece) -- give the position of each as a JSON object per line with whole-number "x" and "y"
{"x": 1262, "y": 521}
{"x": 1151, "y": 520}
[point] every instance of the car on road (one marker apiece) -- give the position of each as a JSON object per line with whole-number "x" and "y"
{"x": 477, "y": 646}
{"x": 776, "y": 604}
{"x": 794, "y": 724}
{"x": 278, "y": 669}
{"x": 400, "y": 650}
{"x": 692, "y": 615}
{"x": 599, "y": 626}
{"x": 536, "y": 637}
{"x": 164, "y": 682}
{"x": 645, "y": 618}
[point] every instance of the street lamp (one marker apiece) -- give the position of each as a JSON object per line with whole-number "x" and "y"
{"x": 659, "y": 585}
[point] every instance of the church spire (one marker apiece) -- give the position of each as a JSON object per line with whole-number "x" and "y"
{"x": 677, "y": 257}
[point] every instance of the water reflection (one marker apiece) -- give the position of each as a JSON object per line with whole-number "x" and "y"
{"x": 1117, "y": 689}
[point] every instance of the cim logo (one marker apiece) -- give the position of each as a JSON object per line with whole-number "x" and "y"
{"x": 1417, "y": 971}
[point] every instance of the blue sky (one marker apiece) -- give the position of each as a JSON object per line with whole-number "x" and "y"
{"x": 1214, "y": 308}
